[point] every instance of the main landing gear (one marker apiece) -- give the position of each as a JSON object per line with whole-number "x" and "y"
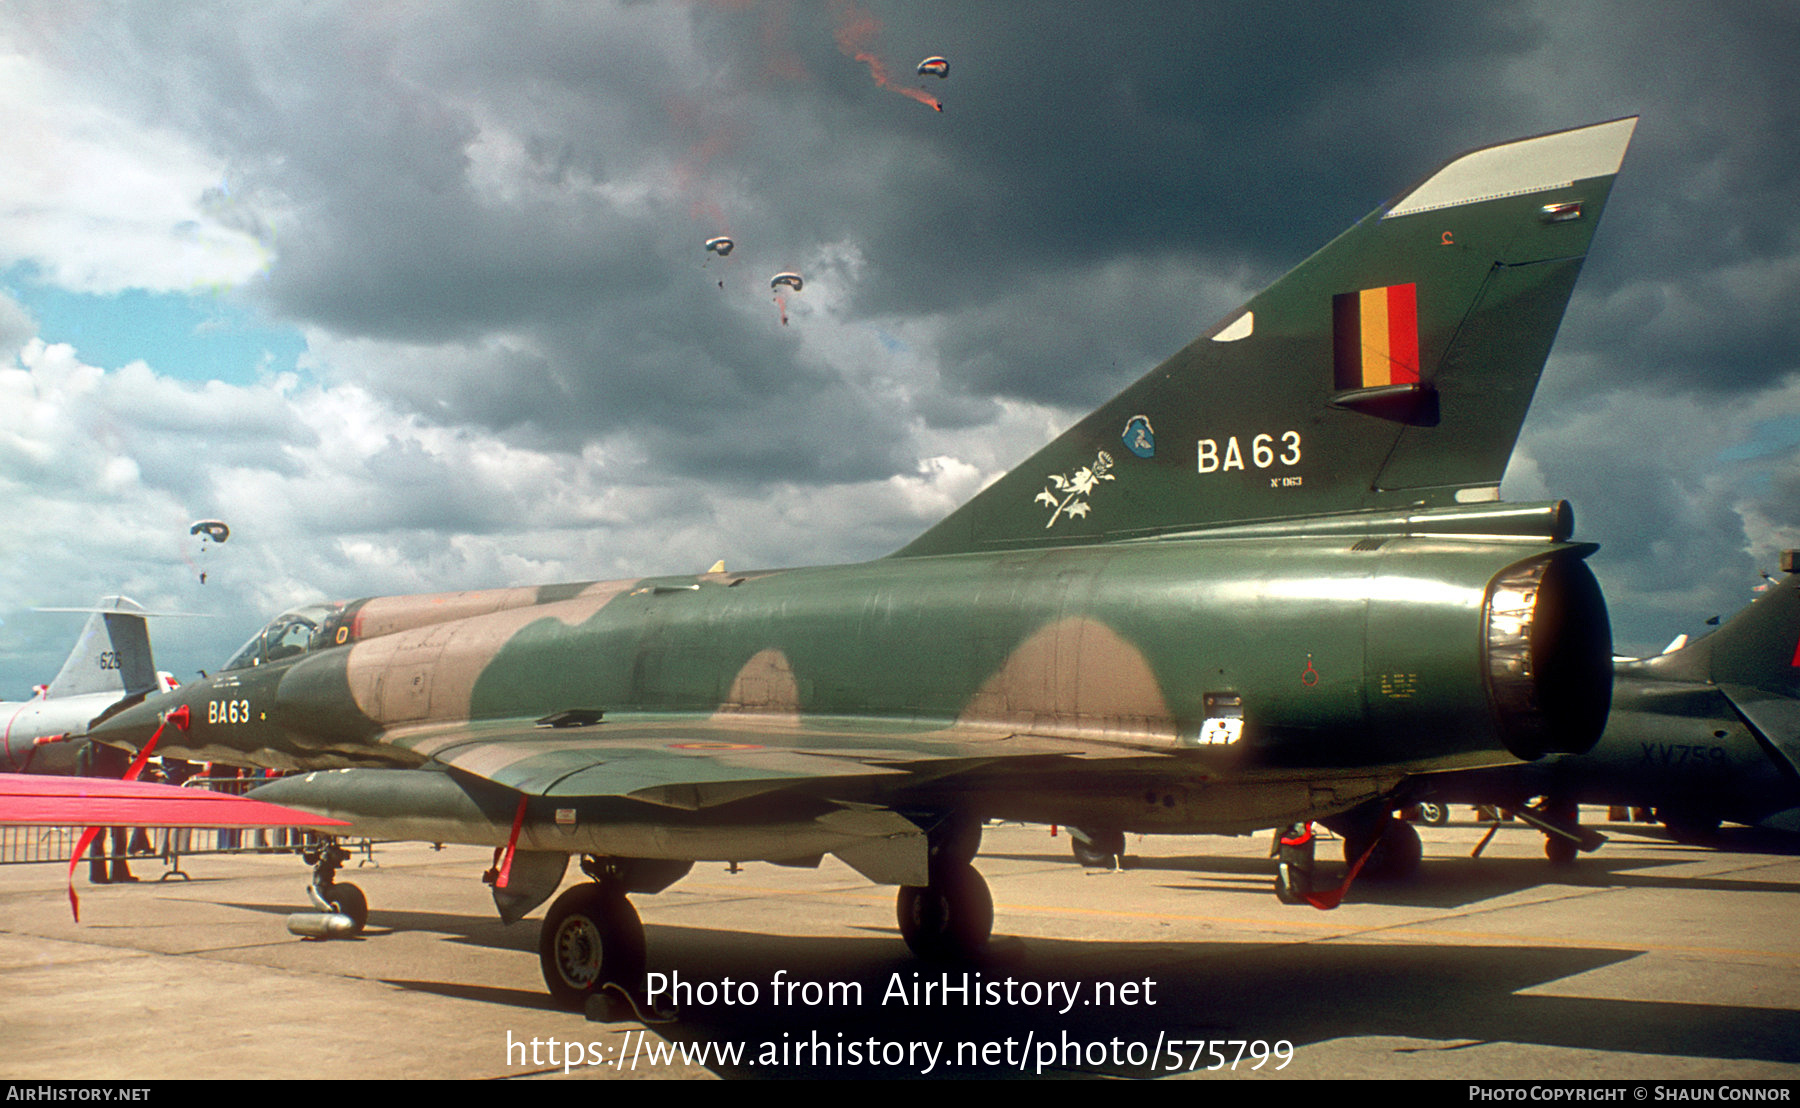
{"x": 1378, "y": 846}
{"x": 592, "y": 946}
{"x": 1098, "y": 849}
{"x": 1560, "y": 821}
{"x": 951, "y": 916}
{"x": 949, "y": 919}
{"x": 1391, "y": 847}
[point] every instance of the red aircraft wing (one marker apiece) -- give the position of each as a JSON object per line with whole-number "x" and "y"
{"x": 92, "y": 801}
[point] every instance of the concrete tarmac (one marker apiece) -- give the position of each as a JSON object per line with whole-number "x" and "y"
{"x": 1647, "y": 960}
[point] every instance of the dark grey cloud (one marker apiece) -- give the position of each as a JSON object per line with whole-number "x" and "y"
{"x": 490, "y": 216}
{"x": 1068, "y": 144}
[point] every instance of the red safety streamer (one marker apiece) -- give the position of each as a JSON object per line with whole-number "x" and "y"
{"x": 1331, "y": 898}
{"x": 180, "y": 716}
{"x": 512, "y": 842}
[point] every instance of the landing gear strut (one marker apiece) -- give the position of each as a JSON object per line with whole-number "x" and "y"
{"x": 1294, "y": 863}
{"x": 1557, "y": 848}
{"x": 1560, "y": 821}
{"x": 951, "y": 916}
{"x": 330, "y": 895}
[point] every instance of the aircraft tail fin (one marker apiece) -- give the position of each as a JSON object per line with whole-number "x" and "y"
{"x": 1757, "y": 648}
{"x": 1754, "y": 659}
{"x": 112, "y": 653}
{"x": 1390, "y": 371}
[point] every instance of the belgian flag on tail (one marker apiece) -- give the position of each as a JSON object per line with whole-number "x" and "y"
{"x": 1376, "y": 332}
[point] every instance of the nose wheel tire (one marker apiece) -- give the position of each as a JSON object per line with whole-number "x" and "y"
{"x": 591, "y": 938}
{"x": 349, "y": 900}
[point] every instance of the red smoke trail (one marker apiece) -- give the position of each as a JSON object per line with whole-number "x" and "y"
{"x": 856, "y": 37}
{"x": 780, "y": 60}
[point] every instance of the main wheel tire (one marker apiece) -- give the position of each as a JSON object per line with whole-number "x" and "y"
{"x": 1559, "y": 850}
{"x": 1396, "y": 855}
{"x": 1434, "y": 815}
{"x": 347, "y": 899}
{"x": 1292, "y": 883}
{"x": 949, "y": 919}
{"x": 592, "y": 937}
{"x": 1097, "y": 849}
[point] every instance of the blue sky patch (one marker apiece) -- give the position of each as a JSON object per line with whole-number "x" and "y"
{"x": 200, "y": 336}
{"x": 1768, "y": 438}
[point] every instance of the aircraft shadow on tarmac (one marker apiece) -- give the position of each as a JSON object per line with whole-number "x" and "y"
{"x": 1456, "y": 996}
{"x": 475, "y": 930}
{"x": 1452, "y": 881}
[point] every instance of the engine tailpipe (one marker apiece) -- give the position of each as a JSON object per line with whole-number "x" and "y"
{"x": 1549, "y": 656}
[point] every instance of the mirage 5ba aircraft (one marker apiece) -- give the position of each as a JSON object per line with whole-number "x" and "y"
{"x": 1266, "y": 583}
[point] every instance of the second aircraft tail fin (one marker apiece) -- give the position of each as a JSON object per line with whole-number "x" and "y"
{"x": 1757, "y": 648}
{"x": 111, "y": 654}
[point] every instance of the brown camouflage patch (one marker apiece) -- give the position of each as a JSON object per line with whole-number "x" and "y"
{"x": 765, "y": 685}
{"x": 1077, "y": 677}
{"x": 385, "y": 615}
{"x": 429, "y": 672}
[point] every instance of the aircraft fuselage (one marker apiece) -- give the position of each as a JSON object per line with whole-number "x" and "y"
{"x": 1232, "y": 658}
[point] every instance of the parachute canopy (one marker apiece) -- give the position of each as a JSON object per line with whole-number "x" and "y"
{"x": 211, "y": 528}
{"x": 789, "y": 280}
{"x": 934, "y": 66}
{"x": 720, "y": 246}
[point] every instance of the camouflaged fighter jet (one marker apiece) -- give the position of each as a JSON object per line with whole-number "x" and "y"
{"x": 1266, "y": 583}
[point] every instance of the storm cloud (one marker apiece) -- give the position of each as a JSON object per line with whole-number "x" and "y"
{"x": 520, "y": 365}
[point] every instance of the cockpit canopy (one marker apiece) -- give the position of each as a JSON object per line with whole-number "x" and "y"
{"x": 289, "y": 634}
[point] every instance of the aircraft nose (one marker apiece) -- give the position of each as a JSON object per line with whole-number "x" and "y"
{"x": 133, "y": 726}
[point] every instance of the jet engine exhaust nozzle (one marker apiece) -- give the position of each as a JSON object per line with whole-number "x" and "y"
{"x": 1549, "y": 653}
